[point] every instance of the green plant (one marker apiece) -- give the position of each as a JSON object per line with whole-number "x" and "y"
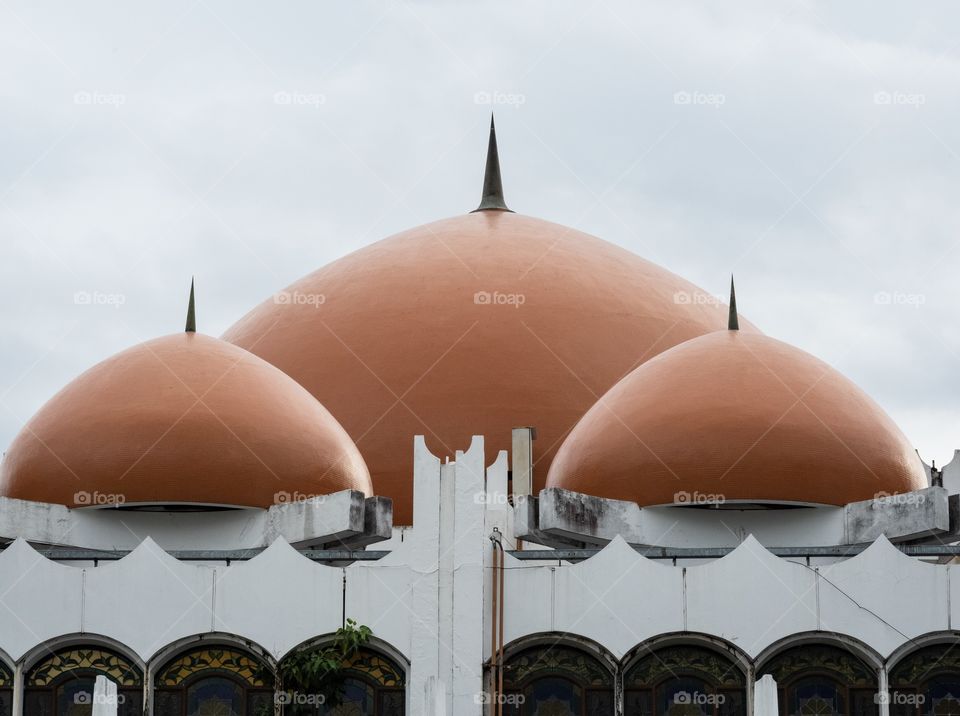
{"x": 320, "y": 670}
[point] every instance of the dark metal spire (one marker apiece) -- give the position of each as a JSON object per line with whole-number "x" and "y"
{"x": 492, "y": 185}
{"x": 733, "y": 323}
{"x": 191, "y": 313}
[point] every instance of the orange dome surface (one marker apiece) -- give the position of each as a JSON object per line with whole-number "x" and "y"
{"x": 181, "y": 419}
{"x": 471, "y": 325}
{"x": 735, "y": 416}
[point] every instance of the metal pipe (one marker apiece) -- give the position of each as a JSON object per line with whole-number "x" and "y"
{"x": 674, "y": 553}
{"x": 502, "y": 601}
{"x": 494, "y": 615}
{"x": 73, "y": 554}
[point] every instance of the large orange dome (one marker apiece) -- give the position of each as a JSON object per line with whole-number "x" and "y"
{"x": 736, "y": 417}
{"x": 471, "y": 325}
{"x": 181, "y": 419}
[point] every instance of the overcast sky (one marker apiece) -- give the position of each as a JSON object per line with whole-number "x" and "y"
{"x": 810, "y": 148}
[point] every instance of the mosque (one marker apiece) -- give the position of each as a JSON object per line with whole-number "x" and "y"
{"x": 492, "y": 465}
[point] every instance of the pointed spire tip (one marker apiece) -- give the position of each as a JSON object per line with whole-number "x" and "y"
{"x": 191, "y": 312}
{"x": 492, "y": 197}
{"x": 733, "y": 322}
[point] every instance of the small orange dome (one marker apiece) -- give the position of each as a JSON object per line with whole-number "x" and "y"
{"x": 471, "y": 325}
{"x": 185, "y": 418}
{"x": 736, "y": 417}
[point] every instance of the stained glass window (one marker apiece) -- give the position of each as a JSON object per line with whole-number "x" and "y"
{"x": 927, "y": 682}
{"x": 214, "y": 681}
{"x": 556, "y": 679}
{"x": 684, "y": 680}
{"x": 61, "y": 683}
{"x": 823, "y": 680}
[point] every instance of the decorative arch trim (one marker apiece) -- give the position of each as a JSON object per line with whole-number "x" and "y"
{"x": 224, "y": 640}
{"x": 208, "y": 658}
{"x": 904, "y": 651}
{"x": 707, "y": 642}
{"x": 689, "y": 659}
{"x": 870, "y": 657}
{"x": 574, "y": 641}
{"x": 87, "y": 658}
{"x": 802, "y": 659}
{"x": 924, "y": 663}
{"x": 51, "y": 646}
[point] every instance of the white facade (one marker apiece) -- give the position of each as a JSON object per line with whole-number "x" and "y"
{"x": 429, "y": 600}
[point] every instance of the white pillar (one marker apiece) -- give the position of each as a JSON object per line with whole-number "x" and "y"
{"x": 885, "y": 696}
{"x": 18, "y": 679}
{"x": 468, "y": 548}
{"x": 104, "y": 697}
{"x": 424, "y": 562}
{"x": 765, "y": 697}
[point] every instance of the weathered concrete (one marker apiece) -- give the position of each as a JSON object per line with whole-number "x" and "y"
{"x": 561, "y": 518}
{"x": 522, "y": 460}
{"x": 345, "y": 518}
{"x": 906, "y": 516}
{"x": 571, "y": 516}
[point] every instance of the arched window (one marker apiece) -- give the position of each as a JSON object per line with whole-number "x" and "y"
{"x": 684, "y": 681}
{"x": 214, "y": 681}
{"x": 373, "y": 686}
{"x": 559, "y": 680}
{"x": 61, "y": 683}
{"x": 927, "y": 682}
{"x": 822, "y": 680}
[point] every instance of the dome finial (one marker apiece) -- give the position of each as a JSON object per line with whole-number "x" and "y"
{"x": 191, "y": 312}
{"x": 733, "y": 323}
{"x": 492, "y": 185}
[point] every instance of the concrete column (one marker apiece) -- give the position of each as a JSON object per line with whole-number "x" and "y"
{"x": 469, "y": 545}
{"x": 18, "y": 689}
{"x": 883, "y": 688}
{"x": 423, "y": 601}
{"x": 765, "y": 697}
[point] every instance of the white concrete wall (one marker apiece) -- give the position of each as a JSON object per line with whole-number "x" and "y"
{"x": 749, "y": 598}
{"x": 430, "y": 600}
